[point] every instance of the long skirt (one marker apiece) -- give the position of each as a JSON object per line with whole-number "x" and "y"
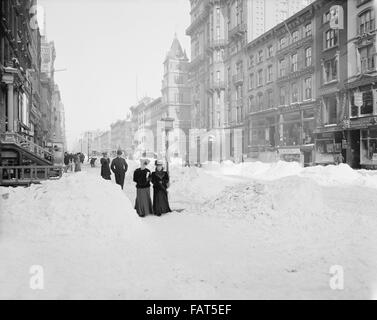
{"x": 143, "y": 202}
{"x": 160, "y": 202}
{"x": 77, "y": 167}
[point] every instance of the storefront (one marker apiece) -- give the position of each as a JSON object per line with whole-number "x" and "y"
{"x": 263, "y": 137}
{"x": 287, "y": 134}
{"x": 362, "y": 125}
{"x": 368, "y": 148}
{"x": 329, "y": 147}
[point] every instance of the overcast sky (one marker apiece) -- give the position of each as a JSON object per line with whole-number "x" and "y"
{"x": 106, "y": 45}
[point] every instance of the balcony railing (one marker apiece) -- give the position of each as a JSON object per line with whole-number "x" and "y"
{"x": 25, "y": 143}
{"x": 218, "y": 43}
{"x": 238, "y": 78}
{"x": 238, "y": 30}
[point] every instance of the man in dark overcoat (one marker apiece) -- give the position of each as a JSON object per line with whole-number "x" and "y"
{"x": 119, "y": 166}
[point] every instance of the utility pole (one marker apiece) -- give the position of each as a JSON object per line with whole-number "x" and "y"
{"x": 89, "y": 134}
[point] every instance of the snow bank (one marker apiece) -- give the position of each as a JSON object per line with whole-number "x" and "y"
{"x": 67, "y": 206}
{"x": 324, "y": 175}
{"x": 194, "y": 183}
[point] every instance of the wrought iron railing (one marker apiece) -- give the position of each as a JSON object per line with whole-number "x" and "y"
{"x": 28, "y": 174}
{"x": 25, "y": 143}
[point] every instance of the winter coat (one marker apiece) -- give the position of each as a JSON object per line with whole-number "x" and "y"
{"x": 119, "y": 166}
{"x": 105, "y": 168}
{"x": 160, "y": 180}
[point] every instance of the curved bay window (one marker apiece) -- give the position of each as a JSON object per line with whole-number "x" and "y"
{"x": 368, "y": 147}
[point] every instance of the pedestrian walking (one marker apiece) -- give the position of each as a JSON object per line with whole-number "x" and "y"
{"x": 82, "y": 157}
{"x": 105, "y": 167}
{"x": 93, "y": 162}
{"x": 66, "y": 161}
{"x": 70, "y": 165}
{"x": 77, "y": 162}
{"x": 142, "y": 177}
{"x": 119, "y": 167}
{"x": 160, "y": 181}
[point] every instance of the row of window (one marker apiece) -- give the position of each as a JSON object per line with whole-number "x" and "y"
{"x": 286, "y": 95}
{"x": 295, "y": 36}
{"x": 257, "y": 79}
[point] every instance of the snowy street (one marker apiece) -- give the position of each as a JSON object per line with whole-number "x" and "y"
{"x": 246, "y": 231}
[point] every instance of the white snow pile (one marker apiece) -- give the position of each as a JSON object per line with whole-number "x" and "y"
{"x": 194, "y": 184}
{"x": 324, "y": 175}
{"x": 281, "y": 193}
{"x": 65, "y": 207}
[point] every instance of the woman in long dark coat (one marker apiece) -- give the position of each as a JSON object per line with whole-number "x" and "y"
{"x": 142, "y": 177}
{"x": 105, "y": 167}
{"x": 160, "y": 181}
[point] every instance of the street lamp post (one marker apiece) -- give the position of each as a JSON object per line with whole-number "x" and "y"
{"x": 168, "y": 126}
{"x": 89, "y": 137}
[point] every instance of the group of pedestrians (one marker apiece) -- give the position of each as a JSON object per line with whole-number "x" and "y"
{"x": 73, "y": 161}
{"x": 143, "y": 178}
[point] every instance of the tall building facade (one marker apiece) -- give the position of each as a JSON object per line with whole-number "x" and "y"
{"x": 281, "y": 98}
{"x": 220, "y": 31}
{"x": 266, "y": 14}
{"x": 359, "y": 125}
{"x": 332, "y": 69}
{"x": 30, "y": 106}
{"x": 149, "y": 116}
{"x": 121, "y": 136}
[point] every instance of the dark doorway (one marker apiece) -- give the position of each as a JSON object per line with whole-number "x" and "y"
{"x": 210, "y": 143}
{"x": 272, "y": 135}
{"x": 355, "y": 149}
{"x": 308, "y": 158}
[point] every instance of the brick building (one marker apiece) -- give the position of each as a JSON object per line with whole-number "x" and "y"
{"x": 281, "y": 97}
{"x": 360, "y": 121}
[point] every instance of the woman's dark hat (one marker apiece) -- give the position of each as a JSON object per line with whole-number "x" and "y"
{"x": 158, "y": 163}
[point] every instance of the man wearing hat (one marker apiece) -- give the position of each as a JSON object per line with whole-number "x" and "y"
{"x": 119, "y": 166}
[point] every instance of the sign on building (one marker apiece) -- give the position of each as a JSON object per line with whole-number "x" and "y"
{"x": 358, "y": 99}
{"x": 337, "y": 17}
{"x": 375, "y": 101}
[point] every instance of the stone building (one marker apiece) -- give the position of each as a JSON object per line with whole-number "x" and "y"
{"x": 332, "y": 69}
{"x": 220, "y": 31}
{"x": 360, "y": 121}
{"x": 26, "y": 94}
{"x": 174, "y": 104}
{"x": 281, "y": 97}
{"x": 121, "y": 136}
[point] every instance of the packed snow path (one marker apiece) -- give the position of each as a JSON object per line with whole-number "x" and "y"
{"x": 248, "y": 231}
